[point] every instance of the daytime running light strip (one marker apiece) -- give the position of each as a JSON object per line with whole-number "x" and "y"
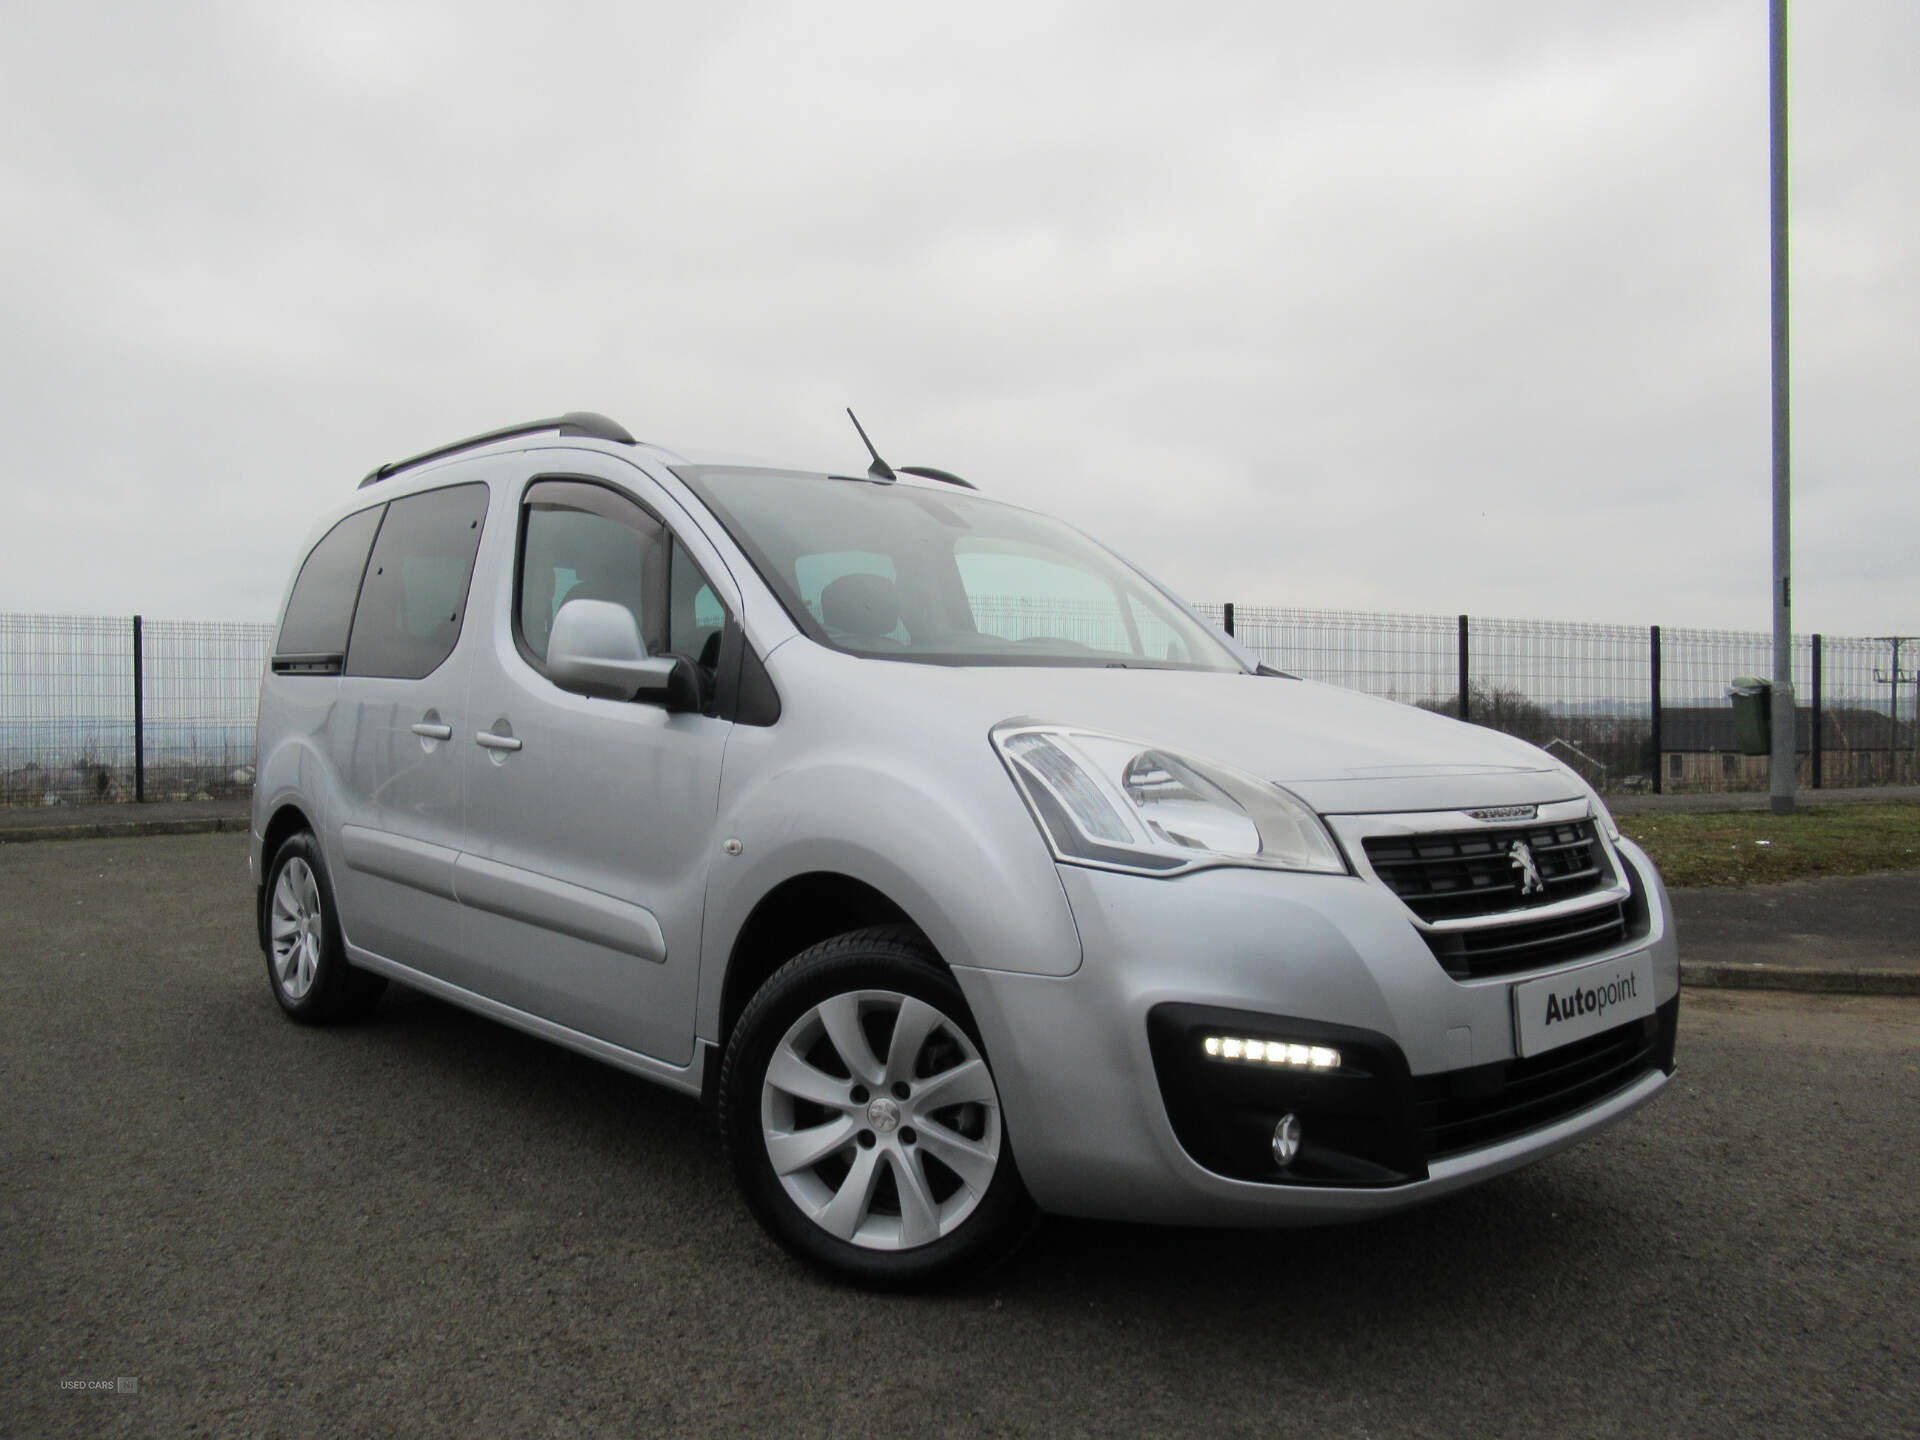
{"x": 1272, "y": 1052}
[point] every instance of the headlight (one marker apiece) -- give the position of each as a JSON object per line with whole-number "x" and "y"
{"x": 1116, "y": 803}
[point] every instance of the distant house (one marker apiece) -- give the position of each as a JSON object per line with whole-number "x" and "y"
{"x": 1699, "y": 751}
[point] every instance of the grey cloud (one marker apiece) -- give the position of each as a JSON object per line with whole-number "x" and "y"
{"x": 1416, "y": 307}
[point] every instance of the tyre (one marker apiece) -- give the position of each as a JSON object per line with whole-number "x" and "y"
{"x": 862, "y": 1121}
{"x": 306, "y": 959}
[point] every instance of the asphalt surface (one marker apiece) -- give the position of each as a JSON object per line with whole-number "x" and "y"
{"x": 1837, "y": 933}
{"x": 430, "y": 1224}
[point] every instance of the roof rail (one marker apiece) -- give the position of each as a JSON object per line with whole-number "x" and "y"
{"x": 927, "y": 472}
{"x": 574, "y": 422}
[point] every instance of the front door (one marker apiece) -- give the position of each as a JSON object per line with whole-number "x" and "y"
{"x": 590, "y": 822}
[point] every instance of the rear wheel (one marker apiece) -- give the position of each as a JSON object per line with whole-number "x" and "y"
{"x": 862, "y": 1119}
{"x": 306, "y": 958}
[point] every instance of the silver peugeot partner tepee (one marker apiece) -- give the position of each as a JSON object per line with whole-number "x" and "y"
{"x": 961, "y": 865}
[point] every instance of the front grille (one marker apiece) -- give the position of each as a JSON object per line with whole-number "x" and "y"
{"x": 1509, "y": 949}
{"x": 1469, "y": 1109}
{"x": 1456, "y": 873}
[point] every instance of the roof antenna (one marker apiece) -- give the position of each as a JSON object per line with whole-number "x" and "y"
{"x": 879, "y": 472}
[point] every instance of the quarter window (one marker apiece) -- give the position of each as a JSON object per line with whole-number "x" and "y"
{"x": 415, "y": 593}
{"x": 321, "y": 606}
{"x": 695, "y": 615}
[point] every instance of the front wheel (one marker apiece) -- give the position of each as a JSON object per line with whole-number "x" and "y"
{"x": 862, "y": 1120}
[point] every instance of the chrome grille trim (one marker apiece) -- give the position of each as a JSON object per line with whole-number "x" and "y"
{"x": 1543, "y": 936}
{"x": 1454, "y": 874}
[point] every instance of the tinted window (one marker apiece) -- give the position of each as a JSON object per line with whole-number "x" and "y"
{"x": 813, "y": 573}
{"x": 581, "y": 541}
{"x": 1156, "y": 636}
{"x": 905, "y": 573}
{"x": 321, "y": 606}
{"x": 415, "y": 594}
{"x": 695, "y": 615}
{"x": 1032, "y": 595}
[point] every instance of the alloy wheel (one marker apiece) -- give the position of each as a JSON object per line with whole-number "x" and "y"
{"x": 296, "y": 927}
{"x": 881, "y": 1119}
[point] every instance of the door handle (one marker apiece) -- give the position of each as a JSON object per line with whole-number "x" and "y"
{"x": 490, "y": 741}
{"x": 433, "y": 732}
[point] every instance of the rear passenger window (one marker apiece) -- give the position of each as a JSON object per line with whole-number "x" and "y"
{"x": 313, "y": 636}
{"x": 415, "y": 592}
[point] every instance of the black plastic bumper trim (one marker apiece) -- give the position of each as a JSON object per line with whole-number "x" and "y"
{"x": 1370, "y": 1122}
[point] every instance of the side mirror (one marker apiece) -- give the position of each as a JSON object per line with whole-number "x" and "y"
{"x": 595, "y": 649}
{"x": 676, "y": 685}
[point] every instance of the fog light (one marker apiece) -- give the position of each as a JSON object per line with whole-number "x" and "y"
{"x": 1286, "y": 1139}
{"x": 1271, "y": 1052}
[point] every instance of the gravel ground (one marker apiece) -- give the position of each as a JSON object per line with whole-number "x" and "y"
{"x": 431, "y": 1224}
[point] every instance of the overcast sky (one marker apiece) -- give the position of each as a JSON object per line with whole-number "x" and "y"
{"x": 1413, "y": 306}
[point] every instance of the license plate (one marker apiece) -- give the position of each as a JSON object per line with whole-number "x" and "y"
{"x": 1556, "y": 1010}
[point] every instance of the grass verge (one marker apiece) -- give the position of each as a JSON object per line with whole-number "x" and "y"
{"x": 1755, "y": 848}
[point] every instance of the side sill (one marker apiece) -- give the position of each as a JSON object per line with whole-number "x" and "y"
{"x": 689, "y": 1079}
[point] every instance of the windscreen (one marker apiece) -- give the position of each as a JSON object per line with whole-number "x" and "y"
{"x": 900, "y": 573}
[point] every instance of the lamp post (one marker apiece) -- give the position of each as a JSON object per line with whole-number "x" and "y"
{"x": 1783, "y": 706}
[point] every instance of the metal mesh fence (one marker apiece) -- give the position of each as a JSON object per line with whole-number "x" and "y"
{"x": 1397, "y": 657}
{"x": 1584, "y": 692}
{"x": 1868, "y": 734}
{"x": 1581, "y": 692}
{"x": 202, "y": 697}
{"x": 66, "y": 708}
{"x": 67, "y": 726}
{"x": 1699, "y": 749}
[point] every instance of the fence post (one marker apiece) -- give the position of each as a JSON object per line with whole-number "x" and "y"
{"x": 1813, "y": 740}
{"x": 1463, "y": 667}
{"x": 1229, "y": 623}
{"x": 1659, "y": 759}
{"x": 139, "y": 719}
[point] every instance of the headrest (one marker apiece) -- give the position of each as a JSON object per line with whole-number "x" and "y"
{"x": 861, "y": 605}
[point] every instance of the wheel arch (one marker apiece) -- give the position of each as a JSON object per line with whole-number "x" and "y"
{"x": 794, "y": 915}
{"x": 289, "y": 819}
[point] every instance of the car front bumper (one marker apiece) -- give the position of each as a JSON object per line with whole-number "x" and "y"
{"x": 1101, "y": 1126}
